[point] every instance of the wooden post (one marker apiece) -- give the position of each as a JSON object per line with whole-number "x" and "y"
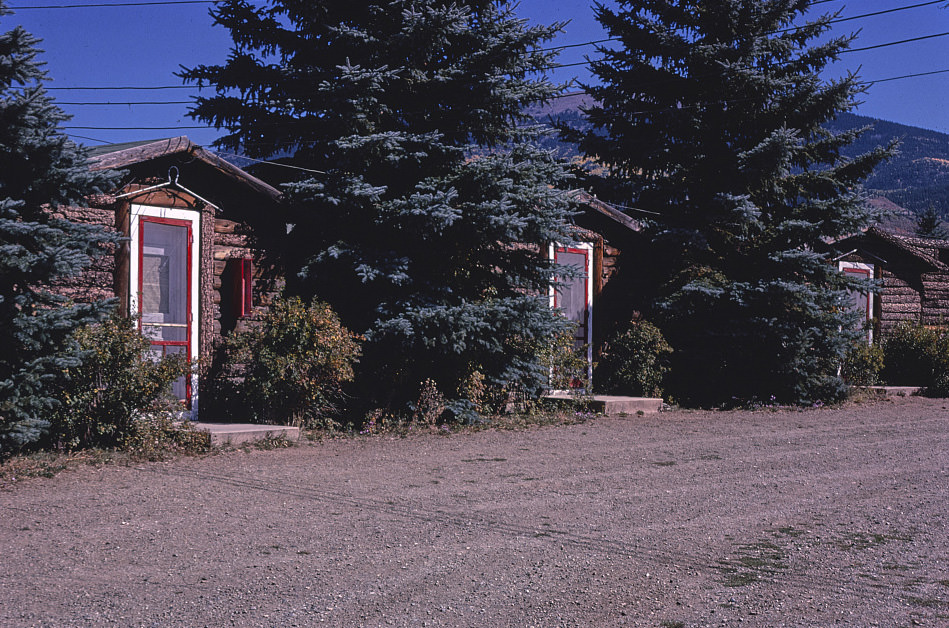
{"x": 123, "y": 260}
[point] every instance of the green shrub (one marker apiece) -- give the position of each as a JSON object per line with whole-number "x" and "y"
{"x": 559, "y": 363}
{"x": 291, "y": 367}
{"x": 118, "y": 381}
{"x": 634, "y": 362}
{"x": 158, "y": 436}
{"x": 908, "y": 351}
{"x": 863, "y": 364}
{"x": 566, "y": 361}
{"x": 914, "y": 355}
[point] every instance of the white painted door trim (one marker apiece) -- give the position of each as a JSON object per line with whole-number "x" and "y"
{"x": 137, "y": 212}
{"x": 587, "y": 247}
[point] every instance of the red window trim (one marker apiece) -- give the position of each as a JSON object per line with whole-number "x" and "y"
{"x": 241, "y": 274}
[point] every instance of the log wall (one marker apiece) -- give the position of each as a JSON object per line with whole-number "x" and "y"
{"x": 910, "y": 296}
{"x": 232, "y": 240}
{"x": 935, "y": 298}
{"x": 97, "y": 282}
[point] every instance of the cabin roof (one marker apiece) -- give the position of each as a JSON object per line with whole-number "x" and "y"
{"x": 605, "y": 209}
{"x": 126, "y": 154}
{"x": 926, "y": 250}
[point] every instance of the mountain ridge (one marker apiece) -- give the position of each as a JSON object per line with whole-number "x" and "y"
{"x": 915, "y": 178}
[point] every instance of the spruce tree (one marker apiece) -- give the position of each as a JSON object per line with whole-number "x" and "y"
{"x": 929, "y": 223}
{"x": 710, "y": 112}
{"x": 41, "y": 170}
{"x": 426, "y": 213}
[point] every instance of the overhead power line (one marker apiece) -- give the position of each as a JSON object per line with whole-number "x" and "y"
{"x": 162, "y": 2}
{"x": 885, "y": 11}
{"x": 91, "y": 139}
{"x": 123, "y": 104}
{"x": 643, "y": 112}
{"x": 112, "y": 4}
{"x": 269, "y": 162}
{"x": 135, "y": 128}
{"x": 113, "y": 87}
{"x": 188, "y": 102}
{"x": 834, "y": 21}
{"x": 895, "y": 43}
{"x": 906, "y": 76}
{"x": 848, "y": 50}
{"x": 554, "y": 66}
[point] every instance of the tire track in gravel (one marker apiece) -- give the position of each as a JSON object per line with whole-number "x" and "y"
{"x": 651, "y": 557}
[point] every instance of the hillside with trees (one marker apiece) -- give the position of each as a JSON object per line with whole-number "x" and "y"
{"x": 915, "y": 178}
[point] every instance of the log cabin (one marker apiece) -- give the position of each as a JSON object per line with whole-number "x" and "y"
{"x": 198, "y": 260}
{"x": 194, "y": 264}
{"x": 911, "y": 273}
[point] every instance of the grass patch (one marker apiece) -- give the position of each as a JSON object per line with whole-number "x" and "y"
{"x": 385, "y": 424}
{"x": 865, "y": 540}
{"x": 264, "y": 444}
{"x": 155, "y": 438}
{"x": 789, "y": 531}
{"x": 752, "y": 563}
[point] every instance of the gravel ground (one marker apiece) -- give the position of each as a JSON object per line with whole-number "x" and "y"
{"x": 789, "y": 518}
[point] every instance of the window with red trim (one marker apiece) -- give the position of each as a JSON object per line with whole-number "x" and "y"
{"x": 241, "y": 275}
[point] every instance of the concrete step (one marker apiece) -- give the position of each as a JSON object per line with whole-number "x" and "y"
{"x": 240, "y": 433}
{"x": 613, "y": 405}
{"x": 892, "y": 391}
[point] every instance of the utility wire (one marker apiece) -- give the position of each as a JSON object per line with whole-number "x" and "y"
{"x": 163, "y": 2}
{"x": 885, "y": 11}
{"x": 91, "y": 139}
{"x": 895, "y": 43}
{"x": 135, "y": 128}
{"x": 559, "y": 65}
{"x": 636, "y": 209}
{"x": 905, "y": 76}
{"x": 265, "y": 161}
{"x": 848, "y": 50}
{"x": 112, "y": 4}
{"x": 121, "y": 87}
{"x": 642, "y": 112}
{"x": 187, "y": 102}
{"x": 834, "y": 21}
{"x": 117, "y": 104}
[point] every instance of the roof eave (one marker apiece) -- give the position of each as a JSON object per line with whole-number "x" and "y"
{"x": 181, "y": 145}
{"x": 585, "y": 198}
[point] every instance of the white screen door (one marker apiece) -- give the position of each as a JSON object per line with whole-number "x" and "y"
{"x": 574, "y": 296}
{"x": 164, "y": 289}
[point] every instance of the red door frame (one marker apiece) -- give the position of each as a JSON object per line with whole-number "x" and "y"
{"x": 866, "y": 275}
{"x": 141, "y": 276}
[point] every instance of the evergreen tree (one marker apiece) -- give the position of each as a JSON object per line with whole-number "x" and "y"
{"x": 711, "y": 112}
{"x": 40, "y": 170}
{"x": 426, "y": 214}
{"x": 929, "y": 223}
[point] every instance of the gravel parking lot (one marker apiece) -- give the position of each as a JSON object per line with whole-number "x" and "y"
{"x": 823, "y": 517}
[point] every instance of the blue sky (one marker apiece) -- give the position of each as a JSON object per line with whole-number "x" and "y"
{"x": 144, "y": 46}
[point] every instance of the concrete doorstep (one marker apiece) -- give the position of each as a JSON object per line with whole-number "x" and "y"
{"x": 241, "y": 433}
{"x": 612, "y": 405}
{"x": 892, "y": 391}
